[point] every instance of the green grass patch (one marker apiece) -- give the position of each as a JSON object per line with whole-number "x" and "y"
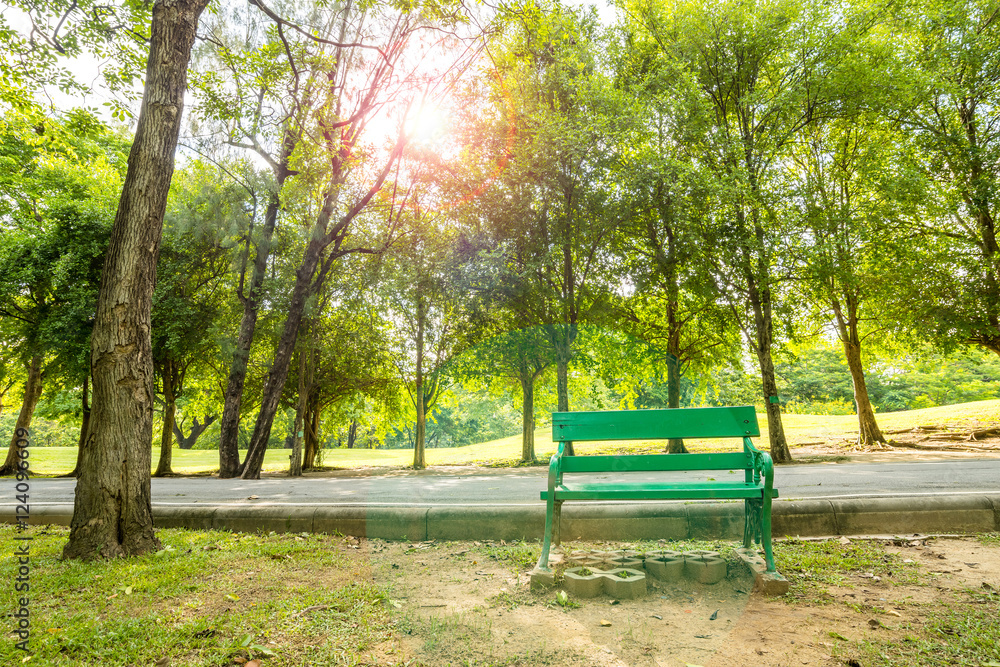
{"x": 206, "y": 598}
{"x": 965, "y": 631}
{"x": 810, "y": 566}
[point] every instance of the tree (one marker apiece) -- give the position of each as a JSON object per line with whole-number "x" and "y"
{"x": 112, "y": 515}
{"x": 764, "y": 74}
{"x": 189, "y": 299}
{"x": 54, "y": 224}
{"x": 258, "y": 92}
{"x": 945, "y": 80}
{"x": 674, "y": 305}
{"x": 560, "y": 212}
{"x": 518, "y": 356}
{"x": 855, "y": 188}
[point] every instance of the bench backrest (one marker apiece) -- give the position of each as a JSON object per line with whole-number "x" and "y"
{"x": 658, "y": 462}
{"x": 728, "y": 422}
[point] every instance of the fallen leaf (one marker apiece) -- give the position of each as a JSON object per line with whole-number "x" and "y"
{"x": 657, "y": 617}
{"x": 715, "y": 615}
{"x": 252, "y": 497}
{"x": 605, "y": 624}
{"x": 230, "y": 596}
{"x": 253, "y": 663}
{"x": 837, "y": 635}
{"x": 844, "y": 540}
{"x": 893, "y": 612}
{"x": 562, "y": 598}
{"x": 128, "y": 590}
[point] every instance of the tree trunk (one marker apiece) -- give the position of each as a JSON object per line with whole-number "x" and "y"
{"x": 312, "y": 434}
{"x": 847, "y": 329}
{"x": 32, "y": 393}
{"x": 188, "y": 442}
{"x": 163, "y": 467}
{"x": 112, "y": 515}
{"x": 869, "y": 432}
{"x": 295, "y": 467}
{"x": 528, "y": 416}
{"x": 352, "y": 434}
{"x": 674, "y": 445}
{"x": 283, "y": 355}
{"x": 84, "y": 426}
{"x": 229, "y": 445}
{"x": 563, "y": 344}
{"x": 420, "y": 430}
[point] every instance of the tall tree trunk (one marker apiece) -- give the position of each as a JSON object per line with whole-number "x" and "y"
{"x": 674, "y": 445}
{"x": 352, "y": 434}
{"x": 312, "y": 433}
{"x": 527, "y": 379}
{"x": 869, "y": 432}
{"x": 112, "y": 514}
{"x": 32, "y": 393}
{"x": 763, "y": 340}
{"x": 84, "y": 425}
{"x": 229, "y": 441}
{"x": 295, "y": 467}
{"x": 164, "y": 466}
{"x": 563, "y": 343}
{"x": 420, "y": 430}
{"x": 283, "y": 355}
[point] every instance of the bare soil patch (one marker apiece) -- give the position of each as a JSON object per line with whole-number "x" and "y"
{"x": 470, "y": 604}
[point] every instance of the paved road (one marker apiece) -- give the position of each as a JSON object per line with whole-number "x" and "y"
{"x": 519, "y": 487}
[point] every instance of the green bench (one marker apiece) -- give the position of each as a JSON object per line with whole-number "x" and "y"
{"x": 756, "y": 488}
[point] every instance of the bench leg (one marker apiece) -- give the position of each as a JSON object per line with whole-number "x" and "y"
{"x": 543, "y": 560}
{"x": 765, "y": 531}
{"x": 556, "y": 523}
{"x": 751, "y": 522}
{"x": 757, "y": 527}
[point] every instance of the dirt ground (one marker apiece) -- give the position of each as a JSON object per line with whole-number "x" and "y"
{"x": 460, "y": 605}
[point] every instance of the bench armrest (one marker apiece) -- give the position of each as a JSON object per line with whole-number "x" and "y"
{"x": 555, "y": 469}
{"x": 762, "y": 465}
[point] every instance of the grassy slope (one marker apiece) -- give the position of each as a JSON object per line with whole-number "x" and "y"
{"x": 506, "y": 451}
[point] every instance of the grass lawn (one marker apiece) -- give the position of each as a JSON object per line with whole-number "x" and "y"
{"x": 279, "y": 600}
{"x": 799, "y": 429}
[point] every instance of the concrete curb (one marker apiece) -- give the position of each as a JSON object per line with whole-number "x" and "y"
{"x": 581, "y": 521}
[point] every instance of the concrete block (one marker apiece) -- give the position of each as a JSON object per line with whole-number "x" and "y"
{"x": 192, "y": 517}
{"x": 636, "y": 521}
{"x": 386, "y": 523}
{"x": 802, "y": 518}
{"x": 914, "y": 514}
{"x": 477, "y": 522}
{"x": 770, "y": 584}
{"x": 542, "y": 580}
{"x": 715, "y": 521}
{"x": 264, "y": 518}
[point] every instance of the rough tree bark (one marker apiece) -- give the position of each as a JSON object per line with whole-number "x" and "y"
{"x": 276, "y": 377}
{"x": 32, "y": 393}
{"x": 869, "y": 432}
{"x": 527, "y": 379}
{"x": 112, "y": 515}
{"x": 229, "y": 446}
{"x": 169, "y": 376}
{"x": 760, "y": 302}
{"x": 420, "y": 430}
{"x": 674, "y": 445}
